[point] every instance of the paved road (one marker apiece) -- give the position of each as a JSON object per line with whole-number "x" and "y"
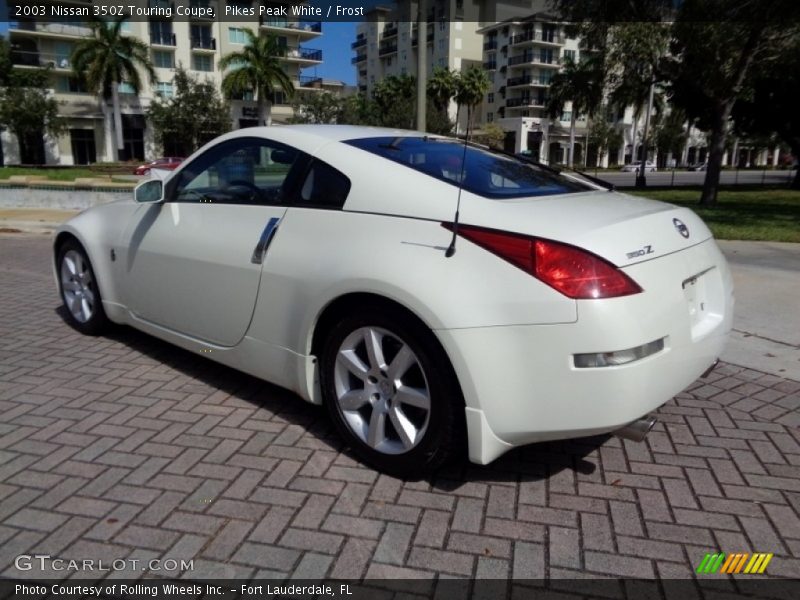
{"x": 126, "y": 447}
{"x": 683, "y": 178}
{"x": 766, "y": 277}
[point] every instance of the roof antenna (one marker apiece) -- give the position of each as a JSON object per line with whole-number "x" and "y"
{"x": 451, "y": 249}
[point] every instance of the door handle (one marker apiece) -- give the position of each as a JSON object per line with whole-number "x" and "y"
{"x": 264, "y": 241}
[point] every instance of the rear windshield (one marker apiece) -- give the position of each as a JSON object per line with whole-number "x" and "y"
{"x": 485, "y": 173}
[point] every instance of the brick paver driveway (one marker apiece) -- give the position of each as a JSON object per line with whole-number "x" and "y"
{"x": 124, "y": 446}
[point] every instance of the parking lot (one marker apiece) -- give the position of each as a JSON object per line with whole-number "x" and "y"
{"x": 124, "y": 447}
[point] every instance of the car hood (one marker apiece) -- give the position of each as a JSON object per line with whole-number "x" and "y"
{"x": 622, "y": 229}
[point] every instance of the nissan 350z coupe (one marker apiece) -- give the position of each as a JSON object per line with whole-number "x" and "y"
{"x": 330, "y": 260}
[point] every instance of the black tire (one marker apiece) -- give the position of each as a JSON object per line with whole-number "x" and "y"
{"x": 97, "y": 322}
{"x": 443, "y": 437}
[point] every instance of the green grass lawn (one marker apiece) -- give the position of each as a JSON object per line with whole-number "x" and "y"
{"x": 69, "y": 174}
{"x": 753, "y": 214}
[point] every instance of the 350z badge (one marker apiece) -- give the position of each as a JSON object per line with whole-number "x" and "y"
{"x": 640, "y": 252}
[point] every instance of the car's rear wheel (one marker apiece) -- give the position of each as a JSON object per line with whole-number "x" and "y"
{"x": 79, "y": 291}
{"x": 391, "y": 392}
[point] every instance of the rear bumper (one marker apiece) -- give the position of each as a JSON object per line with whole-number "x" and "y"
{"x": 521, "y": 384}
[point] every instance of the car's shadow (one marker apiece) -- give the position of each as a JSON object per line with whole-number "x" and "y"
{"x": 530, "y": 463}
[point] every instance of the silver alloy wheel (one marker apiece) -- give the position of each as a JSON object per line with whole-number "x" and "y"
{"x": 382, "y": 390}
{"x": 77, "y": 286}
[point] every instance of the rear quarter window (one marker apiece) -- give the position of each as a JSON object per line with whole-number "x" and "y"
{"x": 483, "y": 172}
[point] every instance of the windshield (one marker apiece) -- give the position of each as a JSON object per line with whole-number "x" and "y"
{"x": 484, "y": 173}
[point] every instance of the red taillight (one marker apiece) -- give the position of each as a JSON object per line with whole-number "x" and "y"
{"x": 574, "y": 272}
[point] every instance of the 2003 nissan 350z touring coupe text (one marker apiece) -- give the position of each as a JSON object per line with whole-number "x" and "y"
{"x": 332, "y": 261}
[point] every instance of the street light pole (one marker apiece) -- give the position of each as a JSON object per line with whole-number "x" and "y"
{"x": 422, "y": 63}
{"x": 641, "y": 179}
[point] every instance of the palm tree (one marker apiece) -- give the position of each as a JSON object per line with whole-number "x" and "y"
{"x": 441, "y": 87}
{"x": 471, "y": 87}
{"x": 580, "y": 83}
{"x": 106, "y": 59}
{"x": 257, "y": 67}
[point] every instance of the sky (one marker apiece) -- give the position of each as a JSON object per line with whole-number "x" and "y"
{"x": 335, "y": 45}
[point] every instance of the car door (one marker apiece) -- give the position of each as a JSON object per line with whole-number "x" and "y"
{"x": 193, "y": 262}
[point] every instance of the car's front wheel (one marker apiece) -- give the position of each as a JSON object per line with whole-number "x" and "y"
{"x": 391, "y": 392}
{"x": 79, "y": 291}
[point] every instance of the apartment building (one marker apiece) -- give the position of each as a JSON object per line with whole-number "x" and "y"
{"x": 196, "y": 43}
{"x": 388, "y": 41}
{"x": 521, "y": 55}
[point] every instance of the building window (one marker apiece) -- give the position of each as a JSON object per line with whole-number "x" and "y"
{"x": 125, "y": 88}
{"x": 164, "y": 89}
{"x": 442, "y": 45}
{"x": 201, "y": 62}
{"x": 405, "y": 55}
{"x": 489, "y": 117}
{"x": 236, "y": 35}
{"x": 490, "y": 97}
{"x": 569, "y": 55}
{"x": 278, "y": 98}
{"x": 163, "y": 60}
{"x": 566, "y": 115}
{"x": 70, "y": 85}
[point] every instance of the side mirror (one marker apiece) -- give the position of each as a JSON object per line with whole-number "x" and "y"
{"x": 149, "y": 192}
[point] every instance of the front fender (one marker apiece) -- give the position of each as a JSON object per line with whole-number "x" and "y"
{"x": 99, "y": 231}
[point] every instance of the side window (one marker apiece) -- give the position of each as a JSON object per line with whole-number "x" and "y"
{"x": 323, "y": 187}
{"x": 240, "y": 171}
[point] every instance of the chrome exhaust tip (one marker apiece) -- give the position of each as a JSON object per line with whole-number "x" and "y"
{"x": 638, "y": 430}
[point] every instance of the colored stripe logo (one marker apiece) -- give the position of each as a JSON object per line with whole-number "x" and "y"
{"x": 742, "y": 562}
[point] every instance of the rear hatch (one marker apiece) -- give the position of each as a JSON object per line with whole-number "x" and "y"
{"x": 623, "y": 229}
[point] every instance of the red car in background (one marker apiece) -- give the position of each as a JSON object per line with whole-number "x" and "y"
{"x": 168, "y": 162}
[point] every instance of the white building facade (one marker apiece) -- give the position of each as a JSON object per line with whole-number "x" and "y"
{"x": 197, "y": 44}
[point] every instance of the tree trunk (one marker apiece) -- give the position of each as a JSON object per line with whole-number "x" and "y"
{"x": 267, "y": 113}
{"x": 795, "y": 185}
{"x": 723, "y": 113}
{"x": 714, "y": 160}
{"x": 571, "y": 138}
{"x": 261, "y": 108}
{"x": 634, "y": 131}
{"x": 117, "y": 120}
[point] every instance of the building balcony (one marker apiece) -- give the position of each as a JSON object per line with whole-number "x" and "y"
{"x": 527, "y": 80}
{"x": 302, "y": 28}
{"x": 389, "y": 31}
{"x": 490, "y": 44}
{"x": 358, "y": 59}
{"x": 534, "y": 59}
{"x": 23, "y": 58}
{"x": 359, "y": 43}
{"x": 162, "y": 39}
{"x": 515, "y": 81}
{"x": 304, "y": 54}
{"x": 386, "y": 49}
{"x": 309, "y": 81}
{"x": 490, "y": 66}
{"x": 526, "y": 101}
{"x": 537, "y": 36}
{"x": 204, "y": 44}
{"x": 207, "y": 4}
{"x": 59, "y": 30}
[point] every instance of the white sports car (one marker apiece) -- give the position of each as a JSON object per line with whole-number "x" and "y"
{"x": 334, "y": 261}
